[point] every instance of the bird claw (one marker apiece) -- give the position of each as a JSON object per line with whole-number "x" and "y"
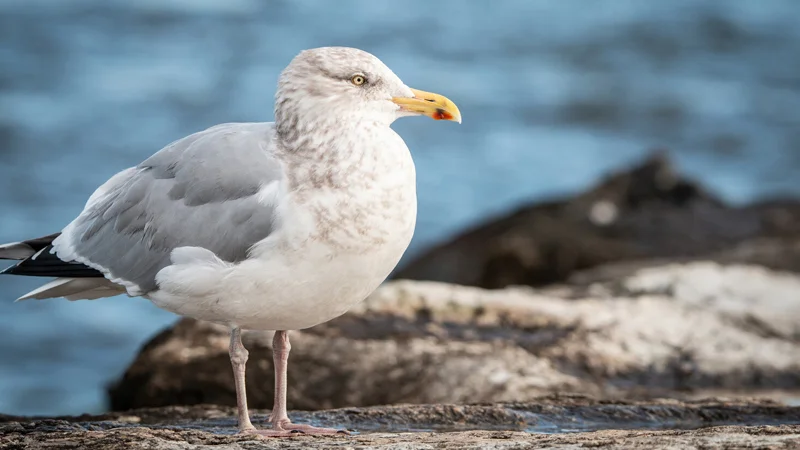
{"x": 270, "y": 433}
{"x": 292, "y": 430}
{"x": 311, "y": 430}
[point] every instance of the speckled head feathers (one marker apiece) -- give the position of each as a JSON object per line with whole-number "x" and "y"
{"x": 334, "y": 84}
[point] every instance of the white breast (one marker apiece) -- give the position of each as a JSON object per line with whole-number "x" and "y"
{"x": 333, "y": 247}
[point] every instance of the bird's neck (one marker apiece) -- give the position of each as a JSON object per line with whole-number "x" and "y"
{"x": 333, "y": 155}
{"x": 358, "y": 179}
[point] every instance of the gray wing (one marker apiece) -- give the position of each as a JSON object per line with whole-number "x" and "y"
{"x": 200, "y": 191}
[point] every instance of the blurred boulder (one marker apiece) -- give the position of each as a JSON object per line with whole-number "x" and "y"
{"x": 670, "y": 329}
{"x": 646, "y": 212}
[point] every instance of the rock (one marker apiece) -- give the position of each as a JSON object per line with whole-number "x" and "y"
{"x": 670, "y": 329}
{"x": 488, "y": 426}
{"x": 643, "y": 213}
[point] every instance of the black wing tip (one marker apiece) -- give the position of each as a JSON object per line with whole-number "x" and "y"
{"x": 46, "y": 264}
{"x": 42, "y": 242}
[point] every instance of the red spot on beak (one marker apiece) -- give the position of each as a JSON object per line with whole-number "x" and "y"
{"x": 441, "y": 114}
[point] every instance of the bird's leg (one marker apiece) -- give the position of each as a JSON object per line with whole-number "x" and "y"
{"x": 238, "y": 360}
{"x": 280, "y": 359}
{"x": 279, "y": 418}
{"x": 281, "y": 426}
{"x": 239, "y": 356}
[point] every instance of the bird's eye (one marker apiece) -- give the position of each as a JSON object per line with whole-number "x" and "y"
{"x": 358, "y": 79}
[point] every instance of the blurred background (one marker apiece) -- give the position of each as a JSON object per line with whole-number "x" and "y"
{"x": 554, "y": 95}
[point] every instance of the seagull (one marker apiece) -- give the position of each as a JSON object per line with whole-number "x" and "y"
{"x": 257, "y": 226}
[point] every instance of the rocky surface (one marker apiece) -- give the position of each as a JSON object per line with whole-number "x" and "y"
{"x": 642, "y": 213}
{"x": 492, "y": 426}
{"x": 677, "y": 330}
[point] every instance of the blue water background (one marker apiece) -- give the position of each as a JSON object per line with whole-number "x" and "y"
{"x": 554, "y": 94}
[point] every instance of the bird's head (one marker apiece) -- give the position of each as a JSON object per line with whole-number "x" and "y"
{"x": 343, "y": 83}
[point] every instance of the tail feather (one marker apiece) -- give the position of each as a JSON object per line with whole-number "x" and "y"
{"x": 16, "y": 250}
{"x": 75, "y": 289}
{"x": 25, "y": 249}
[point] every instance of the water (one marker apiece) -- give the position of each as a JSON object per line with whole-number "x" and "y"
{"x": 553, "y": 95}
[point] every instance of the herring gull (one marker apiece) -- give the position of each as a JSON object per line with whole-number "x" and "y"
{"x": 257, "y": 226}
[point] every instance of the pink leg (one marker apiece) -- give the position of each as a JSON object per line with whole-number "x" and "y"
{"x": 279, "y": 418}
{"x": 281, "y": 426}
{"x": 239, "y": 356}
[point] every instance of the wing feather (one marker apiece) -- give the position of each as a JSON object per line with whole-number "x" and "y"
{"x": 200, "y": 191}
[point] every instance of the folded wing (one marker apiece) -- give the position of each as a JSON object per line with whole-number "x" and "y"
{"x": 200, "y": 191}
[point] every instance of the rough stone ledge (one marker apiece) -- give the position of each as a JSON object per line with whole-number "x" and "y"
{"x": 706, "y": 423}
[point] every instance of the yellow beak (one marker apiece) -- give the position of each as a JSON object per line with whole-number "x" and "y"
{"x": 435, "y": 106}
